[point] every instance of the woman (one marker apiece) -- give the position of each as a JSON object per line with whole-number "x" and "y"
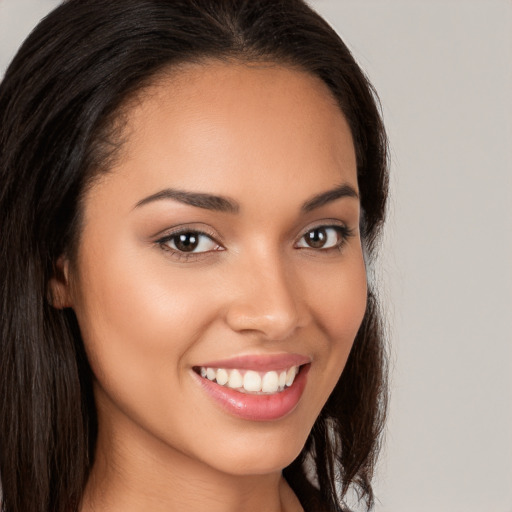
{"x": 191, "y": 194}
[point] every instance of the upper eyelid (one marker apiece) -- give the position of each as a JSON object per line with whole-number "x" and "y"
{"x": 187, "y": 228}
{"x": 172, "y": 232}
{"x": 328, "y": 223}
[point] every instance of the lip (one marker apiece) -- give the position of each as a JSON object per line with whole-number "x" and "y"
{"x": 256, "y": 407}
{"x": 260, "y": 362}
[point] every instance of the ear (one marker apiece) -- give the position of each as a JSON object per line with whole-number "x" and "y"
{"x": 59, "y": 290}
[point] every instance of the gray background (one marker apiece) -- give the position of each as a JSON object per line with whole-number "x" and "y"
{"x": 443, "y": 70}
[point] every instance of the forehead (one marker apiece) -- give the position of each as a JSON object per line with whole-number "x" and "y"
{"x": 227, "y": 127}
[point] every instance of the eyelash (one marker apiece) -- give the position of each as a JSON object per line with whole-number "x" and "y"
{"x": 182, "y": 255}
{"x": 343, "y": 232}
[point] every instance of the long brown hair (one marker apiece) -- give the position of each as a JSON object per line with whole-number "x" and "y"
{"x": 59, "y": 102}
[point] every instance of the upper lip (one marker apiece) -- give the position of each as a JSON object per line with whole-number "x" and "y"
{"x": 259, "y": 362}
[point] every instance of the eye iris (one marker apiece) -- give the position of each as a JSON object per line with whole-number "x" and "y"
{"x": 186, "y": 242}
{"x": 316, "y": 238}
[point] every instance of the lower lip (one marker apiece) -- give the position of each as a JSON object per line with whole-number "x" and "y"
{"x": 257, "y": 407}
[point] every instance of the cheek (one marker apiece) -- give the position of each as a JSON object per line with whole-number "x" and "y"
{"x": 136, "y": 320}
{"x": 339, "y": 309}
{"x": 339, "y": 299}
{"x": 138, "y": 325}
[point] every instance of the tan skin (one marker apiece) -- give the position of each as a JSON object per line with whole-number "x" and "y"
{"x": 270, "y": 138}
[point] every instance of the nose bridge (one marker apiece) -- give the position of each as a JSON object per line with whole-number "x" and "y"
{"x": 267, "y": 298}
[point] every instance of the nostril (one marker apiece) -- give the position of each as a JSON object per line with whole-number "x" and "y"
{"x": 275, "y": 321}
{"x": 275, "y": 326}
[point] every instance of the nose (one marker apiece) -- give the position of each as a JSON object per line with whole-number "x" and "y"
{"x": 267, "y": 300}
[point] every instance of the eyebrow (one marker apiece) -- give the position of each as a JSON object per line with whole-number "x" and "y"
{"x": 344, "y": 190}
{"x": 224, "y": 204}
{"x": 197, "y": 199}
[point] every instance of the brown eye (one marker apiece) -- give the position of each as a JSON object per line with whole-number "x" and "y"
{"x": 189, "y": 242}
{"x": 324, "y": 237}
{"x": 316, "y": 238}
{"x": 186, "y": 242}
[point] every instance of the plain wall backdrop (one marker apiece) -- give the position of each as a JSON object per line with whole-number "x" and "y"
{"x": 443, "y": 70}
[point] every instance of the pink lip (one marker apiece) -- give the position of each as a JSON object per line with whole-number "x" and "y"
{"x": 256, "y": 407}
{"x": 259, "y": 363}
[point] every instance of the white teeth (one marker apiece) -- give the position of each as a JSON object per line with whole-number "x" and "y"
{"x": 250, "y": 381}
{"x": 235, "y": 379}
{"x": 270, "y": 382}
{"x": 222, "y": 376}
{"x": 290, "y": 376}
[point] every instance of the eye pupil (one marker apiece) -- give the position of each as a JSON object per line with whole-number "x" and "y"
{"x": 186, "y": 242}
{"x": 316, "y": 238}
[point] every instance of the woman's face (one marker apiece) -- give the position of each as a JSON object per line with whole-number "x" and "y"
{"x": 220, "y": 254}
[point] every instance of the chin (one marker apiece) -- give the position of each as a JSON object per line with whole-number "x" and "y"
{"x": 259, "y": 454}
{"x": 265, "y": 463}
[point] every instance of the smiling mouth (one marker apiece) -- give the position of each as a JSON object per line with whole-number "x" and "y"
{"x": 250, "y": 381}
